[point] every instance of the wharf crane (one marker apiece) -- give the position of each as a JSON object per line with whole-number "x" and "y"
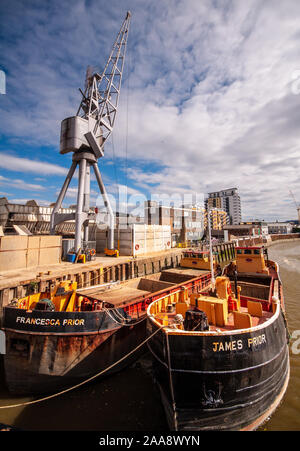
{"x": 297, "y": 206}
{"x": 85, "y": 135}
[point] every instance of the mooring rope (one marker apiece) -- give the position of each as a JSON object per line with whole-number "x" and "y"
{"x": 27, "y": 403}
{"x": 122, "y": 317}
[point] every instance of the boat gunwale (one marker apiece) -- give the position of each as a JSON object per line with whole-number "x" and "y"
{"x": 168, "y": 330}
{"x": 143, "y": 298}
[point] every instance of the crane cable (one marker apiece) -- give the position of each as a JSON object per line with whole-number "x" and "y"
{"x": 127, "y": 115}
{"x": 54, "y": 395}
{"x": 114, "y": 161}
{"x": 126, "y": 129}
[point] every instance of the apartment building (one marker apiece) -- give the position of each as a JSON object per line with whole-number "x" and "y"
{"x": 218, "y": 219}
{"x": 227, "y": 200}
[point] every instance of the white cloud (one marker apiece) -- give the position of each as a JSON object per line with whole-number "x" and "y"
{"x": 19, "y": 164}
{"x": 239, "y": 119}
{"x": 210, "y": 101}
{"x": 20, "y": 184}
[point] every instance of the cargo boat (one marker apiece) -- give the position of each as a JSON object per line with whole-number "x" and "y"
{"x": 196, "y": 258}
{"x": 64, "y": 336}
{"x": 220, "y": 357}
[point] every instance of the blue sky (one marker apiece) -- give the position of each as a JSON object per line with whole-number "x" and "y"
{"x": 210, "y": 98}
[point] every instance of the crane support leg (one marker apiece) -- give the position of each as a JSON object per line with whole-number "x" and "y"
{"x": 80, "y": 216}
{"x": 61, "y": 196}
{"x": 111, "y": 221}
{"x": 86, "y": 202}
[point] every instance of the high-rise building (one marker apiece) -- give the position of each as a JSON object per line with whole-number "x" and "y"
{"x": 227, "y": 200}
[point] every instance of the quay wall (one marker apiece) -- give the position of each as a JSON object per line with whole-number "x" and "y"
{"x": 284, "y": 237}
{"x": 93, "y": 274}
{"x": 267, "y": 241}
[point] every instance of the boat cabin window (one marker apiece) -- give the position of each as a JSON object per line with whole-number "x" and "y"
{"x": 193, "y": 255}
{"x": 248, "y": 251}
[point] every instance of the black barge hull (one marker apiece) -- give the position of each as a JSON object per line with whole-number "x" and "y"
{"x": 58, "y": 356}
{"x": 221, "y": 382}
{"x": 47, "y": 351}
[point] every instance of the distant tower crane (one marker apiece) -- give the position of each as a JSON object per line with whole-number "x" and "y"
{"x": 85, "y": 135}
{"x": 297, "y": 206}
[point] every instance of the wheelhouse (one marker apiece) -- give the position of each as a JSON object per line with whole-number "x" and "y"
{"x": 252, "y": 259}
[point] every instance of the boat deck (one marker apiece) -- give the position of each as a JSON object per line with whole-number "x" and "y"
{"x": 128, "y": 291}
{"x": 115, "y": 296}
{"x": 256, "y": 320}
{"x": 187, "y": 271}
{"x": 230, "y": 326}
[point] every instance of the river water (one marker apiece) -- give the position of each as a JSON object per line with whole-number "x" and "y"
{"x": 128, "y": 400}
{"x": 287, "y": 255}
